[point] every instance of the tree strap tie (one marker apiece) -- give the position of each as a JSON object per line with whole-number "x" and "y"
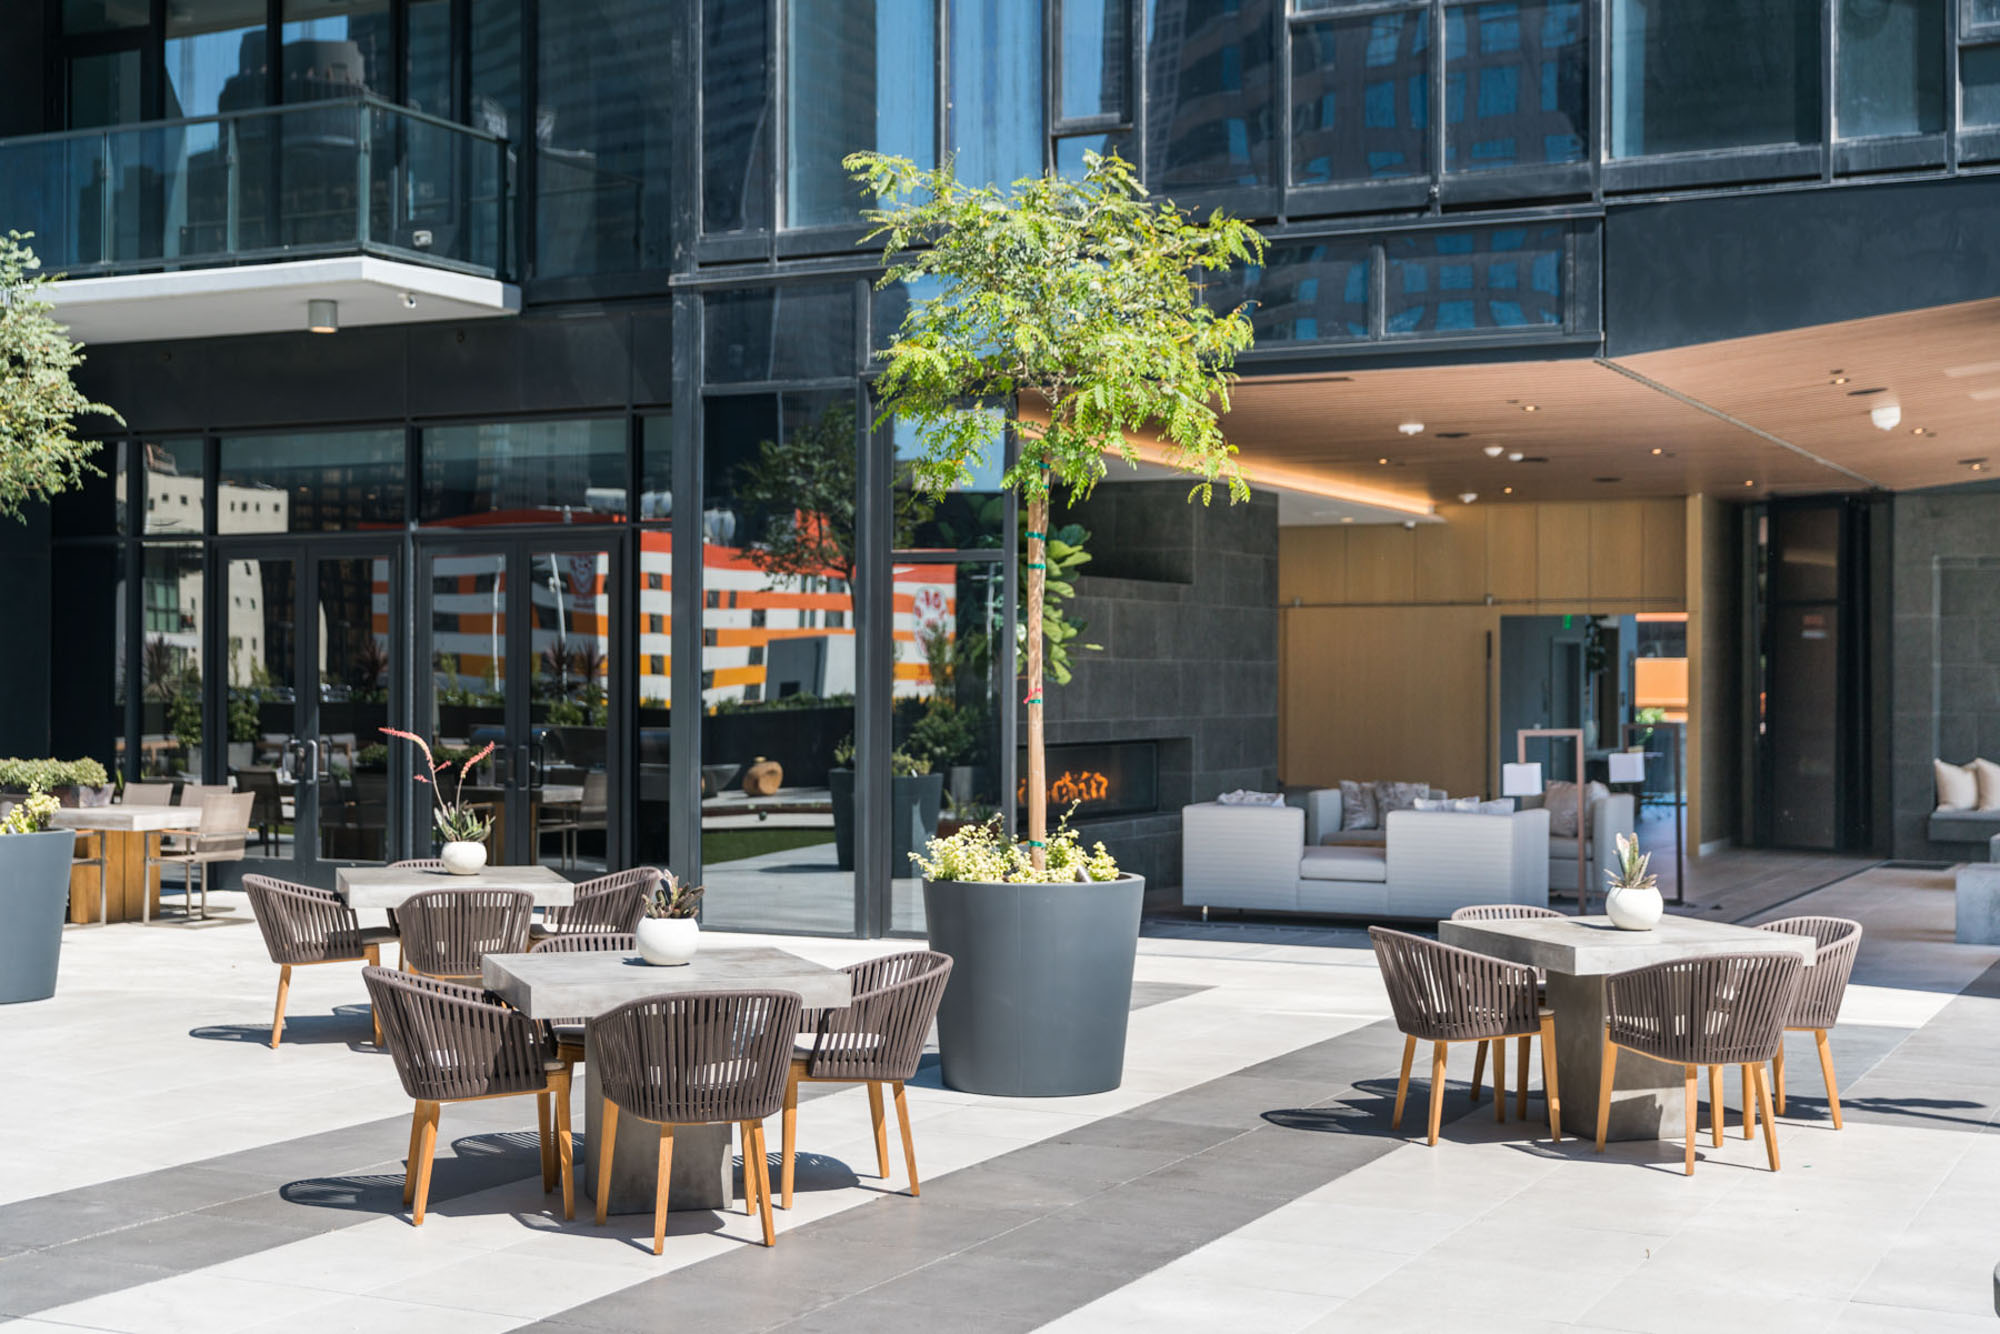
{"x": 1032, "y": 699}
{"x": 1039, "y": 537}
{"x": 1037, "y": 565}
{"x": 1034, "y": 843}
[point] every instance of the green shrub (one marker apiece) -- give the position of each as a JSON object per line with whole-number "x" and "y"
{"x": 18, "y": 775}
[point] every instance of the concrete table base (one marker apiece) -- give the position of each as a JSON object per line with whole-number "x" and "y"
{"x": 1647, "y": 1096}
{"x": 1977, "y": 894}
{"x": 704, "y": 1173}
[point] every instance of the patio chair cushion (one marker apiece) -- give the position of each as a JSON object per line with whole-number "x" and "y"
{"x": 1345, "y": 863}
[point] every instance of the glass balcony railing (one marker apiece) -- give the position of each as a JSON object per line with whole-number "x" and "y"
{"x": 320, "y": 178}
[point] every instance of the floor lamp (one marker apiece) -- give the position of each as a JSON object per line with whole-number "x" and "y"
{"x": 1575, "y": 734}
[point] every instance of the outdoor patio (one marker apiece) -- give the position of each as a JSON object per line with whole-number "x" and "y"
{"x": 171, "y": 1171}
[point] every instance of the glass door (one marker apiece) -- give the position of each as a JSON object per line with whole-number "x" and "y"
{"x": 518, "y": 650}
{"x": 310, "y": 649}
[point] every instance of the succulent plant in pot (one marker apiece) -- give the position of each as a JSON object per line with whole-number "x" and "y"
{"x": 1633, "y": 901}
{"x": 670, "y": 932}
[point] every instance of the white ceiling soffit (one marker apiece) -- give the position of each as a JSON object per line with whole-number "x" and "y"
{"x": 1298, "y": 507}
{"x": 271, "y": 298}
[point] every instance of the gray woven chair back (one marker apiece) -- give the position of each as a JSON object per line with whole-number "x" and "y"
{"x": 302, "y": 924}
{"x": 586, "y": 942}
{"x": 1721, "y": 1009}
{"x": 446, "y": 932}
{"x": 452, "y": 1041}
{"x": 1825, "y": 983}
{"x": 612, "y": 902}
{"x": 880, "y": 1033}
{"x": 698, "y": 1056}
{"x": 1500, "y": 912}
{"x": 418, "y": 864}
{"x": 1441, "y": 993}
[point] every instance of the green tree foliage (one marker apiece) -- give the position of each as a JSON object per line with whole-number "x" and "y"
{"x": 40, "y": 452}
{"x": 1068, "y": 310}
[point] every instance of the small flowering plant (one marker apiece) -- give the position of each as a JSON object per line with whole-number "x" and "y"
{"x": 455, "y": 821}
{"x": 984, "y": 854}
{"x": 673, "y": 899}
{"x": 32, "y": 814}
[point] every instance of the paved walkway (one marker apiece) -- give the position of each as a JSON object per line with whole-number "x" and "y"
{"x": 180, "y": 1175}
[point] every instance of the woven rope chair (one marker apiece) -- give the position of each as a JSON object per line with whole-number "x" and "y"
{"x": 1715, "y": 1011}
{"x": 1820, "y": 993}
{"x": 303, "y": 925}
{"x": 876, "y": 1039}
{"x": 418, "y": 864}
{"x": 569, "y": 1033}
{"x": 612, "y": 902}
{"x": 446, "y": 932}
{"x": 1506, "y": 912}
{"x": 696, "y": 1058}
{"x": 1442, "y": 994}
{"x": 454, "y": 1043}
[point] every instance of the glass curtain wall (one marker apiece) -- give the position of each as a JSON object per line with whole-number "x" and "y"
{"x": 860, "y": 74}
{"x": 996, "y": 90}
{"x": 735, "y": 118}
{"x": 1701, "y": 75}
{"x": 1211, "y": 93}
{"x": 1889, "y": 70}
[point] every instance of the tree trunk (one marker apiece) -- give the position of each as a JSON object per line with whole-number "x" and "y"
{"x": 1037, "y": 781}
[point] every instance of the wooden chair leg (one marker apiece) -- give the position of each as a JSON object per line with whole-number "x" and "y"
{"x": 372, "y": 954}
{"x": 1716, "y": 1114}
{"x": 1437, "y": 1089}
{"x": 1500, "y": 1080}
{"x": 1826, "y": 1070}
{"x": 1764, "y": 1113}
{"x": 660, "y": 1195}
{"x": 565, "y": 1143}
{"x": 426, "y": 1151}
{"x": 1778, "y": 1075}
{"x": 542, "y": 1127}
{"x": 1478, "y": 1068}
{"x": 788, "y": 1142}
{"x": 1604, "y": 1092}
{"x": 607, "y": 1130}
{"x": 909, "y": 1144}
{"x": 749, "y": 1169}
{"x": 1521, "y": 1078}
{"x": 1692, "y": 1128}
{"x": 763, "y": 1162}
{"x": 278, "y": 1015}
{"x": 1749, "y": 1103}
{"x": 876, "y": 1115}
{"x": 417, "y": 1119}
{"x": 1551, "y": 1085}
{"x": 1403, "y": 1081}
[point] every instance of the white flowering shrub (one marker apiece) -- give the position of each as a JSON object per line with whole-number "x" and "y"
{"x": 983, "y": 853}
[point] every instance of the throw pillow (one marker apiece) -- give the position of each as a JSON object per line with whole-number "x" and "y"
{"x": 1463, "y": 804}
{"x": 1243, "y": 796}
{"x": 1357, "y": 806}
{"x": 1957, "y": 787}
{"x": 1497, "y": 806}
{"x": 1986, "y": 775}
{"x": 1398, "y": 797}
{"x": 1560, "y": 799}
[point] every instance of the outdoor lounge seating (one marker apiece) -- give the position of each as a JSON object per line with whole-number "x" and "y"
{"x": 876, "y": 1039}
{"x": 1714, "y": 1011}
{"x": 1506, "y": 912}
{"x": 612, "y": 902}
{"x": 446, "y": 932}
{"x": 220, "y": 836}
{"x": 1442, "y": 994}
{"x": 454, "y": 1043}
{"x": 698, "y": 1058}
{"x": 1820, "y": 991}
{"x": 303, "y": 925}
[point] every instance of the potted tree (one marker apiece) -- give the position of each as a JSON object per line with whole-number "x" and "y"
{"x": 34, "y": 893}
{"x": 1068, "y": 314}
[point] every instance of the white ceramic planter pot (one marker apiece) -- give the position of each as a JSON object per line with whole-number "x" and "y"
{"x": 1634, "y": 909}
{"x": 463, "y": 858}
{"x": 668, "y": 941}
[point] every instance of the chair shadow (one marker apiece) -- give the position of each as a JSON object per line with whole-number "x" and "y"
{"x": 350, "y": 1025}
{"x": 472, "y": 1156}
{"x": 1368, "y": 1106}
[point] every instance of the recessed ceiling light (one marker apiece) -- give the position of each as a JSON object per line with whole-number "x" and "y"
{"x": 1516, "y": 456}
{"x": 1529, "y": 407}
{"x": 1467, "y": 497}
{"x": 1411, "y": 428}
{"x": 1886, "y": 416}
{"x": 1381, "y": 460}
{"x": 1657, "y": 449}
{"x": 1840, "y": 379}
{"x": 1347, "y": 518}
{"x": 1494, "y": 451}
{"x": 1748, "y": 482}
{"x": 1507, "y": 490}
{"x": 1918, "y": 430}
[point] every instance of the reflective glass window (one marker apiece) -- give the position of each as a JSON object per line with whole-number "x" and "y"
{"x": 1517, "y": 84}
{"x": 336, "y": 48}
{"x": 1096, "y": 37}
{"x": 496, "y": 72}
{"x": 1982, "y": 13}
{"x": 172, "y": 605}
{"x": 525, "y": 472}
{"x": 1696, "y": 75}
{"x": 604, "y": 137}
{"x": 656, "y": 467}
{"x": 1309, "y": 292}
{"x": 427, "y": 57}
{"x": 81, "y": 16}
{"x": 799, "y": 332}
{"x": 96, "y": 506}
{"x": 653, "y": 637}
{"x": 310, "y": 483}
{"x": 735, "y": 117}
{"x": 971, "y": 516}
{"x": 1889, "y": 70}
{"x": 1210, "y": 90}
{"x": 1361, "y": 98}
{"x": 996, "y": 90}
{"x": 1070, "y": 151}
{"x": 859, "y": 74}
{"x": 216, "y": 57}
{"x": 1979, "y": 76}
{"x": 174, "y": 488}
{"x": 1462, "y": 282}
{"x": 104, "y": 90}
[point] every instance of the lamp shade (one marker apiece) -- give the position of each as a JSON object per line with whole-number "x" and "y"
{"x": 1627, "y": 766}
{"x": 1520, "y": 780}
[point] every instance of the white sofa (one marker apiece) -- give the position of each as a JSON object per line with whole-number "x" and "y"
{"x": 1430, "y": 863}
{"x": 1322, "y": 806}
{"x": 1604, "y": 819}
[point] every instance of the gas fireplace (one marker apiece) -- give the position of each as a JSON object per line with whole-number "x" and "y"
{"x": 1101, "y": 779}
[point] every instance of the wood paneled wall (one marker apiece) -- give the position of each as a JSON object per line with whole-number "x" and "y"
{"x": 1387, "y": 631}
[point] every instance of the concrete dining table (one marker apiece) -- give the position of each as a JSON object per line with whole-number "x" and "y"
{"x": 131, "y": 890}
{"x": 583, "y": 985}
{"x": 388, "y": 886}
{"x": 1576, "y": 954}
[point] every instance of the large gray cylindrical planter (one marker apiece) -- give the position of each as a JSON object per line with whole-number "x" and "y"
{"x": 34, "y": 891}
{"x": 1041, "y": 984}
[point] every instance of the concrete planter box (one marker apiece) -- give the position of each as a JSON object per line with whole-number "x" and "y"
{"x": 34, "y": 892}
{"x": 1041, "y": 984}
